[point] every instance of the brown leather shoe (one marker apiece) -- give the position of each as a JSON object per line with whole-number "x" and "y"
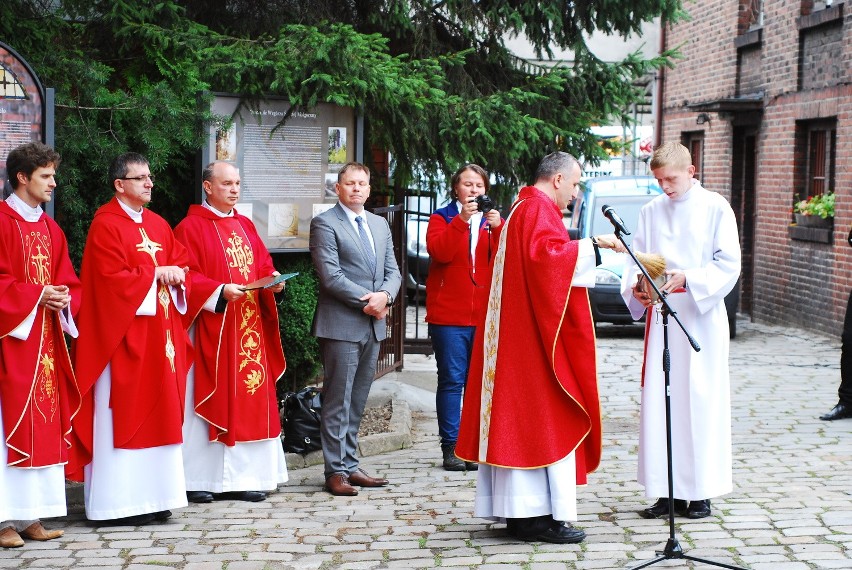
{"x": 338, "y": 484}
{"x": 9, "y": 538}
{"x": 361, "y": 479}
{"x": 37, "y": 532}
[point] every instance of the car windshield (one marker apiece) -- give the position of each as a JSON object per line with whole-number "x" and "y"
{"x": 627, "y": 208}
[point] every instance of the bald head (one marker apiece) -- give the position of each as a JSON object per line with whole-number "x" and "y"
{"x": 221, "y": 184}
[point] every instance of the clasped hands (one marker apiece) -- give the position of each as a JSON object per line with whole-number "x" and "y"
{"x": 171, "y": 274}
{"x": 55, "y": 297}
{"x": 377, "y": 304}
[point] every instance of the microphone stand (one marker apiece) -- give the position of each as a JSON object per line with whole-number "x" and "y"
{"x": 673, "y": 549}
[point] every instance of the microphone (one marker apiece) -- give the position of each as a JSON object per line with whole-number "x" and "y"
{"x": 617, "y": 222}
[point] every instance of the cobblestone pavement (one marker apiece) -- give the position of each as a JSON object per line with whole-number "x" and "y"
{"x": 790, "y": 509}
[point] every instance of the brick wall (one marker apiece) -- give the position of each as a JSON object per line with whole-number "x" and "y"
{"x": 750, "y": 72}
{"x": 795, "y": 282}
{"x": 821, "y": 58}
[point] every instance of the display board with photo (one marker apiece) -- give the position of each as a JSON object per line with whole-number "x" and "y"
{"x": 288, "y": 168}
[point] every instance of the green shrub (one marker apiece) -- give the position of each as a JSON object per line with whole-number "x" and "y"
{"x": 295, "y": 314}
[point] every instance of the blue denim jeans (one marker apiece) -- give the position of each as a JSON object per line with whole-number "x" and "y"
{"x": 452, "y": 345}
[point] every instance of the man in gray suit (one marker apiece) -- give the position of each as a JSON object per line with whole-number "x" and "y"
{"x": 352, "y": 251}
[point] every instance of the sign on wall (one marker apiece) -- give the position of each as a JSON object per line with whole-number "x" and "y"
{"x": 287, "y": 170}
{"x": 21, "y": 106}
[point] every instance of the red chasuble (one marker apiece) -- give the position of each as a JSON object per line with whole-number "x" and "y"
{"x": 534, "y": 398}
{"x": 147, "y": 354}
{"x": 240, "y": 354}
{"x": 38, "y": 391}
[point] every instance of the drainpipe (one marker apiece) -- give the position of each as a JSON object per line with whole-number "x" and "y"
{"x": 658, "y": 90}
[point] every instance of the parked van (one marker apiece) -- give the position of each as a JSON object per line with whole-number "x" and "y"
{"x": 626, "y": 195}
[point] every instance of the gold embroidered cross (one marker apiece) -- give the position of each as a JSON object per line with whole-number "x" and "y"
{"x": 163, "y": 296}
{"x": 148, "y": 246}
{"x": 170, "y": 349}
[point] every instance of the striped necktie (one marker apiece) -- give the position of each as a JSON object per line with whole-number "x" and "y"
{"x": 365, "y": 241}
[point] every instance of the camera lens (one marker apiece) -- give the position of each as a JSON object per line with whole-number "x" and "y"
{"x": 484, "y": 204}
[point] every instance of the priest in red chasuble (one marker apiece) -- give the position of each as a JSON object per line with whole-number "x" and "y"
{"x": 231, "y": 431}
{"x": 531, "y": 415}
{"x": 39, "y": 294}
{"x": 132, "y": 356}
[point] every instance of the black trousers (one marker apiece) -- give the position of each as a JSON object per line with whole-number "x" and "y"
{"x": 845, "y": 390}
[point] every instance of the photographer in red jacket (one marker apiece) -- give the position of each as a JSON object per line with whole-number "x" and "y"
{"x": 461, "y": 240}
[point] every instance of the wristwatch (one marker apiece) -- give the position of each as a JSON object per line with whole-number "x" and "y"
{"x": 390, "y": 299}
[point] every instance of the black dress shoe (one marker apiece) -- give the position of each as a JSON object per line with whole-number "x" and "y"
{"x": 561, "y": 533}
{"x": 839, "y": 412}
{"x": 199, "y": 496}
{"x": 162, "y": 515}
{"x": 525, "y": 528}
{"x": 135, "y": 520}
{"x": 544, "y": 529}
{"x": 250, "y": 496}
{"x": 698, "y": 509}
{"x": 660, "y": 509}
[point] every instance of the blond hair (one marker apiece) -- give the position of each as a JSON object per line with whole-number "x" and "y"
{"x": 671, "y": 154}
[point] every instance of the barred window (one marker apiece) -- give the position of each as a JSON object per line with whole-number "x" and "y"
{"x": 817, "y": 140}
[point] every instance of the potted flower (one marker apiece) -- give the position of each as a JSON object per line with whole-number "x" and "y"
{"x": 816, "y": 211}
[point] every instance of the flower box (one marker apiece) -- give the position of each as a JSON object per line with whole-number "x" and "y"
{"x": 810, "y": 221}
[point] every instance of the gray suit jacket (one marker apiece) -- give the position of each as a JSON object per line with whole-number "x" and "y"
{"x": 345, "y": 276}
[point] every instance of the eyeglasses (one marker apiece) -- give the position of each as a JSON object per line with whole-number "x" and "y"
{"x": 141, "y": 178}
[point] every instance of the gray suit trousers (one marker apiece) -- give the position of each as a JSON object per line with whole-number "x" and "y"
{"x": 349, "y": 368}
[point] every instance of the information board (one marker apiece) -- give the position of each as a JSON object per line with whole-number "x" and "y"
{"x": 287, "y": 170}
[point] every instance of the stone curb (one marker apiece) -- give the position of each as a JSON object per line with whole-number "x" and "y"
{"x": 399, "y": 437}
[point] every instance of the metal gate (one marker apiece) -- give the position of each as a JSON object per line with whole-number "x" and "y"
{"x": 391, "y": 349}
{"x": 407, "y": 329}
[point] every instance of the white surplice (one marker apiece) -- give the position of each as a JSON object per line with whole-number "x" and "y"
{"x": 698, "y": 234}
{"x": 33, "y": 493}
{"x": 502, "y": 492}
{"x": 126, "y": 482}
{"x": 218, "y": 468}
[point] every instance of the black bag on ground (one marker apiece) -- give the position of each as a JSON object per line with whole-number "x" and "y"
{"x": 300, "y": 420}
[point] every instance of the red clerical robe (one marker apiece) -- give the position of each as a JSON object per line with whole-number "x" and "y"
{"x": 38, "y": 392}
{"x": 147, "y": 354}
{"x": 531, "y": 396}
{"x": 240, "y": 351}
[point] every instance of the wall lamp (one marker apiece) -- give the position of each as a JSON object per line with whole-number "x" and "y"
{"x": 702, "y": 118}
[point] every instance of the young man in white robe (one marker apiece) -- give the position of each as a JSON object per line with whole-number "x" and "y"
{"x": 696, "y": 232}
